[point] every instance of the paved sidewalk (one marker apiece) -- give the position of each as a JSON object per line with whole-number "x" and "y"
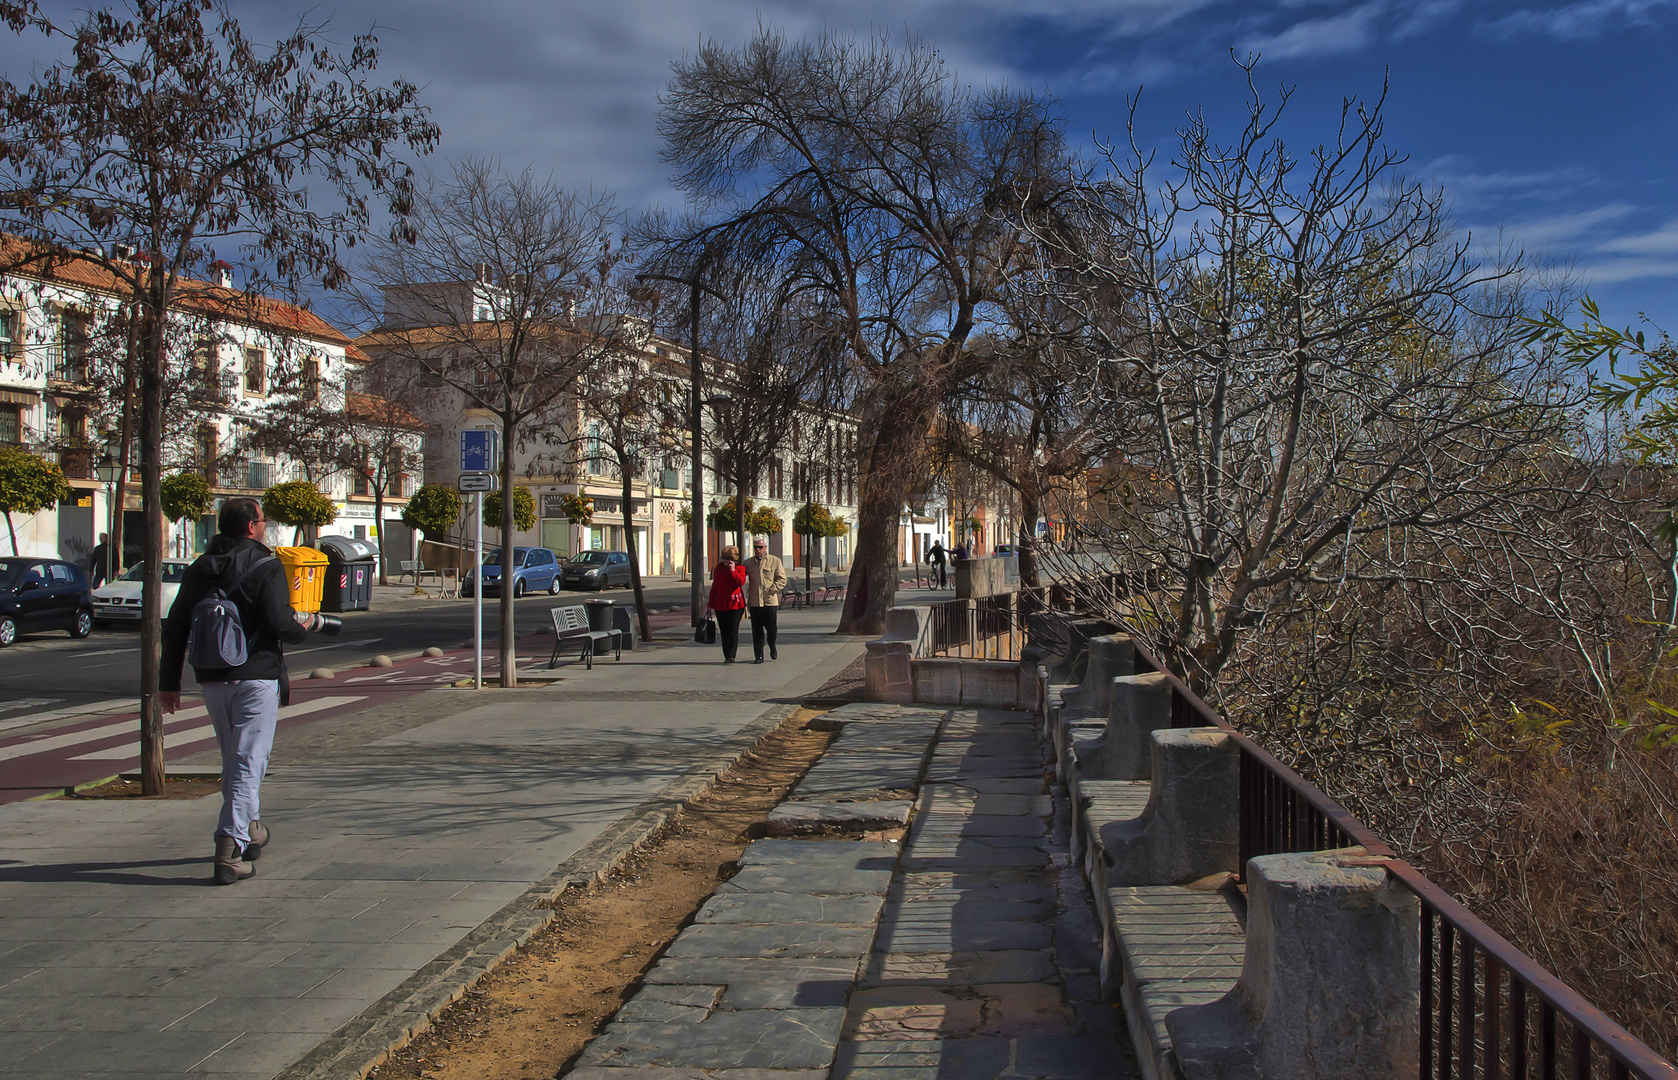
{"x": 971, "y": 955}
{"x": 399, "y": 830}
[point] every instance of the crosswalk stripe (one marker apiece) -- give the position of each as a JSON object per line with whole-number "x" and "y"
{"x": 76, "y": 738}
{"x": 92, "y": 708}
{"x": 174, "y": 739}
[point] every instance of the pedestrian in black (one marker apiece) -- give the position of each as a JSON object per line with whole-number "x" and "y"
{"x": 96, "y": 561}
{"x": 937, "y": 558}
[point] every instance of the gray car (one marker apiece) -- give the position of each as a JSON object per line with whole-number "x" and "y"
{"x": 596, "y": 570}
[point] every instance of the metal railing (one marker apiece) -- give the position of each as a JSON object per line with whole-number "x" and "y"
{"x": 1487, "y": 1009}
{"x": 985, "y": 628}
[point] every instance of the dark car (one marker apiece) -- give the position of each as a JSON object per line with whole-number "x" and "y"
{"x": 533, "y": 569}
{"x": 43, "y": 594}
{"x": 597, "y": 570}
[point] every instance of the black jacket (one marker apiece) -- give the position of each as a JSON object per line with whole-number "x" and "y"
{"x": 264, "y": 605}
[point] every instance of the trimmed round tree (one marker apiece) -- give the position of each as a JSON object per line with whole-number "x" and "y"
{"x": 28, "y": 484}
{"x": 763, "y": 521}
{"x": 524, "y": 508}
{"x": 299, "y": 504}
{"x": 185, "y": 495}
{"x": 433, "y": 510}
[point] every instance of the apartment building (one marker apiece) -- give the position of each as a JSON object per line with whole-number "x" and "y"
{"x": 234, "y": 359}
{"x": 570, "y": 449}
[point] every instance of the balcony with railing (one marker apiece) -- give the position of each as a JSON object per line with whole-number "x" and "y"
{"x": 67, "y": 365}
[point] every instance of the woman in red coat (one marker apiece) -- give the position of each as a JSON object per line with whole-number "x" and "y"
{"x": 728, "y": 600}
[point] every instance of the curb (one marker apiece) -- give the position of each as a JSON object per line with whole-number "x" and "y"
{"x": 390, "y": 1023}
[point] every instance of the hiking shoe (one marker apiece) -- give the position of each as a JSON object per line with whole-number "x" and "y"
{"x": 259, "y": 840}
{"x": 230, "y": 867}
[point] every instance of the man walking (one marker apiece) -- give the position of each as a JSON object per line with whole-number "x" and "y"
{"x": 936, "y": 557}
{"x": 243, "y": 700}
{"x": 97, "y": 562}
{"x": 766, "y": 580}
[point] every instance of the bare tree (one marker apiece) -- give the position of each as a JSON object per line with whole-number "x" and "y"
{"x": 888, "y": 191}
{"x": 503, "y": 290}
{"x": 166, "y": 130}
{"x": 1323, "y": 379}
{"x": 383, "y": 411}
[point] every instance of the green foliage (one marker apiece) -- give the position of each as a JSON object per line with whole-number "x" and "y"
{"x": 763, "y": 521}
{"x": 185, "y": 495}
{"x": 685, "y": 515}
{"x": 578, "y": 509}
{"x": 28, "y": 483}
{"x": 432, "y": 510}
{"x": 1650, "y": 391}
{"x": 299, "y": 504}
{"x": 724, "y": 518}
{"x": 814, "y": 519}
{"x": 524, "y": 509}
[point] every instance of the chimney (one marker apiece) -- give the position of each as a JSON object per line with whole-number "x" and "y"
{"x": 222, "y": 273}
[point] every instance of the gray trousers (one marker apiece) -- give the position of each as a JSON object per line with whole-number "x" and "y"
{"x": 245, "y": 713}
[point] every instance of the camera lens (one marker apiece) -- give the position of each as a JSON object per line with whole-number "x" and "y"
{"x": 329, "y": 625}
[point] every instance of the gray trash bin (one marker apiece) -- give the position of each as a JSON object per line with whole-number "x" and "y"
{"x": 350, "y": 567}
{"x": 599, "y": 614}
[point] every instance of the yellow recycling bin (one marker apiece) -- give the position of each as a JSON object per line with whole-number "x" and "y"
{"x": 305, "y": 573}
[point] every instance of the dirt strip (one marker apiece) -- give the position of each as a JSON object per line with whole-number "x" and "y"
{"x": 531, "y": 1016}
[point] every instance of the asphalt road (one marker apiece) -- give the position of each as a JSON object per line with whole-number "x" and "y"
{"x": 50, "y": 670}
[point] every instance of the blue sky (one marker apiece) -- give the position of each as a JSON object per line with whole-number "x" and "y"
{"x": 1550, "y": 124}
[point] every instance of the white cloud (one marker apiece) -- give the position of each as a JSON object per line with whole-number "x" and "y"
{"x": 1582, "y": 20}
{"x": 1343, "y": 33}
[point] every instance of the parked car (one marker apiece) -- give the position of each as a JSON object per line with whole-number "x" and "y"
{"x": 43, "y": 594}
{"x": 533, "y": 568}
{"x": 597, "y": 570}
{"x": 119, "y": 600}
{"x": 1003, "y": 551}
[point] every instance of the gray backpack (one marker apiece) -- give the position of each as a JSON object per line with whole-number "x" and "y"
{"x": 217, "y": 639}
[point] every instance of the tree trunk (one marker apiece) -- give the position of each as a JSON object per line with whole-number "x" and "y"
{"x": 509, "y": 651}
{"x": 1030, "y": 507}
{"x": 899, "y": 452}
{"x": 12, "y": 531}
{"x": 634, "y": 562}
{"x": 152, "y": 359}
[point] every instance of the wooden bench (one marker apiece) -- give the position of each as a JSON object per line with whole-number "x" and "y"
{"x": 571, "y": 624}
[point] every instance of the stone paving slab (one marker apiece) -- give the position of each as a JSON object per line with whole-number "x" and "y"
{"x": 973, "y": 973}
{"x": 802, "y": 1038}
{"x": 743, "y": 907}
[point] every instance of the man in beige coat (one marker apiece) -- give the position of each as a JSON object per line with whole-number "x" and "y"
{"x": 766, "y": 580}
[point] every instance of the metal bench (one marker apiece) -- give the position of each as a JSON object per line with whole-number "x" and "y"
{"x": 571, "y": 624}
{"x": 831, "y": 588}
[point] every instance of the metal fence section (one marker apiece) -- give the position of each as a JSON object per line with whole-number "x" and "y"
{"x": 986, "y": 628}
{"x": 1488, "y": 1011}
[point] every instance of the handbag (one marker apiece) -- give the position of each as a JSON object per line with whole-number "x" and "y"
{"x": 706, "y": 632}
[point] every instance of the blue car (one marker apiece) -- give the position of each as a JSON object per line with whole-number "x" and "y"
{"x": 533, "y": 568}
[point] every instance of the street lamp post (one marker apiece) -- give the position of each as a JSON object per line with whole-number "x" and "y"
{"x": 108, "y": 470}
{"x": 696, "y": 527}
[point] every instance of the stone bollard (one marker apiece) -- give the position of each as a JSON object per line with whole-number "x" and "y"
{"x": 1046, "y": 638}
{"x": 1138, "y": 706}
{"x": 1329, "y": 986}
{"x": 1189, "y": 829}
{"x": 1110, "y": 655}
{"x": 1070, "y": 669}
{"x": 888, "y": 673}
